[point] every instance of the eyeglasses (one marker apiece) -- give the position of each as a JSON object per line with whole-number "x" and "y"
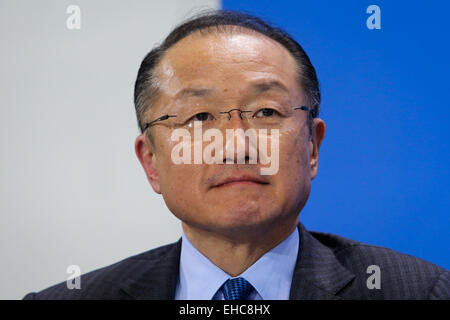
{"x": 258, "y": 117}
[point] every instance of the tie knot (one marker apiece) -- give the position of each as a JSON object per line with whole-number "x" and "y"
{"x": 236, "y": 289}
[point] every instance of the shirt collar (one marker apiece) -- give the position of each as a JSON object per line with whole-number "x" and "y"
{"x": 200, "y": 279}
{"x": 271, "y": 275}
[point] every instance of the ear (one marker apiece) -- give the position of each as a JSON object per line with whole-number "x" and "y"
{"x": 147, "y": 157}
{"x": 317, "y": 135}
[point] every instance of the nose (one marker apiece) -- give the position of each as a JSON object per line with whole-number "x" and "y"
{"x": 240, "y": 145}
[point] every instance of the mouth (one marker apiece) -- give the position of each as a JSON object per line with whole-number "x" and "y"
{"x": 241, "y": 180}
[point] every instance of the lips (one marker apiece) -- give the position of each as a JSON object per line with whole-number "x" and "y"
{"x": 241, "y": 179}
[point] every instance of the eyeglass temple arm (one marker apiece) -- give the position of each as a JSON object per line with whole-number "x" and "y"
{"x": 164, "y": 117}
{"x": 312, "y": 111}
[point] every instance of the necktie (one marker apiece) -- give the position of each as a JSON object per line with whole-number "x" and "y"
{"x": 236, "y": 289}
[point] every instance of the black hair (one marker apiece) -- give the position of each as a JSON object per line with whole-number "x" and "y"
{"x": 213, "y": 21}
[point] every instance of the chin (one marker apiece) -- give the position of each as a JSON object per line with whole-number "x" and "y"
{"x": 242, "y": 219}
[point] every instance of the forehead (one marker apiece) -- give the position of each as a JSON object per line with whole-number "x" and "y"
{"x": 226, "y": 60}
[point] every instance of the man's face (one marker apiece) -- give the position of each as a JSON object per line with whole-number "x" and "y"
{"x": 231, "y": 70}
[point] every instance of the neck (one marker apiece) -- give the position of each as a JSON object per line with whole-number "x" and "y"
{"x": 236, "y": 250}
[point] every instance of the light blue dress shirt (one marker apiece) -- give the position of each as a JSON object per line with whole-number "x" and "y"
{"x": 271, "y": 275}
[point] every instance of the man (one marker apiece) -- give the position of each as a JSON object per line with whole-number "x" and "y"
{"x": 228, "y": 74}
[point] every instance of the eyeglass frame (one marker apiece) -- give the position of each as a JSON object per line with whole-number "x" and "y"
{"x": 147, "y": 125}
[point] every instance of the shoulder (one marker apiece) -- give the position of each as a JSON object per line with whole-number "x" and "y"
{"x": 105, "y": 283}
{"x": 401, "y": 276}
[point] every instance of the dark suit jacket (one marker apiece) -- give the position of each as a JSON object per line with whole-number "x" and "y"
{"x": 328, "y": 267}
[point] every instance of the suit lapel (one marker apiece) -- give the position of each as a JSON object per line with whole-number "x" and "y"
{"x": 158, "y": 278}
{"x": 318, "y": 274}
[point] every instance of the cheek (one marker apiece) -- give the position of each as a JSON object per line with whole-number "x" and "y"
{"x": 180, "y": 183}
{"x": 166, "y": 169}
{"x": 294, "y": 176}
{"x": 294, "y": 153}
{"x": 180, "y": 189}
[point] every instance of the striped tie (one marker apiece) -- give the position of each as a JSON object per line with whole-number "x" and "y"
{"x": 236, "y": 289}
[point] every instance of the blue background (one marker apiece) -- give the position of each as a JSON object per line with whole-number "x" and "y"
{"x": 384, "y": 176}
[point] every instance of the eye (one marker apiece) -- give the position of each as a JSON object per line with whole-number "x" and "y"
{"x": 265, "y": 113}
{"x": 202, "y": 116}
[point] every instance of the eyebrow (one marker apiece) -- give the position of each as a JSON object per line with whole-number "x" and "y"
{"x": 264, "y": 86}
{"x": 257, "y": 87}
{"x": 193, "y": 92}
